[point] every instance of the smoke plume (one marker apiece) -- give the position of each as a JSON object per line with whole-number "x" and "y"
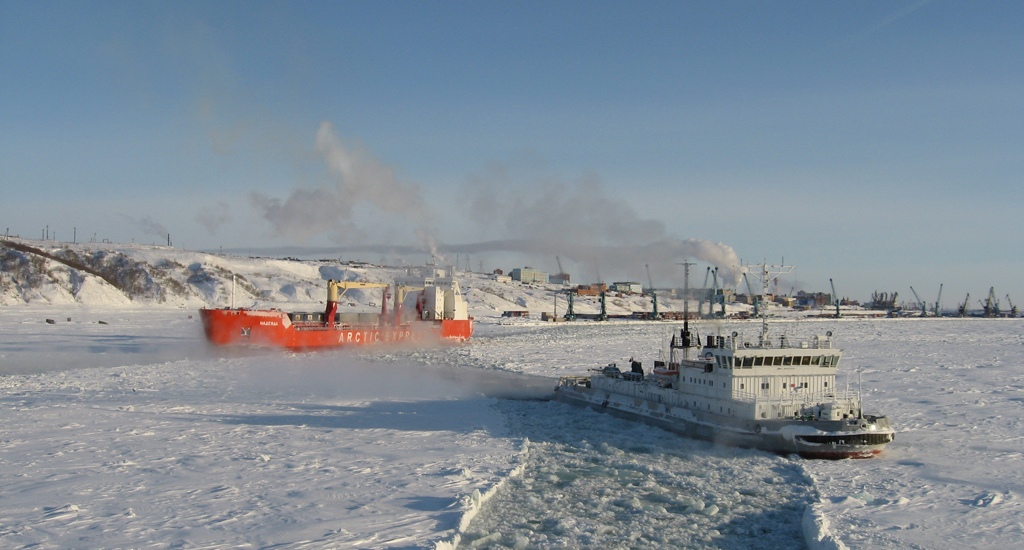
{"x": 579, "y": 220}
{"x": 541, "y": 217}
{"x": 213, "y": 216}
{"x": 147, "y": 226}
{"x": 359, "y": 180}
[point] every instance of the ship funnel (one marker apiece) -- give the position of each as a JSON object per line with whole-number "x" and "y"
{"x": 687, "y": 338}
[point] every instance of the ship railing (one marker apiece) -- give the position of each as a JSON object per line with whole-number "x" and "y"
{"x": 783, "y": 342}
{"x": 796, "y": 396}
{"x": 574, "y": 381}
{"x": 817, "y": 342}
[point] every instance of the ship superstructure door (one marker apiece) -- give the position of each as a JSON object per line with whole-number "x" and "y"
{"x": 433, "y": 303}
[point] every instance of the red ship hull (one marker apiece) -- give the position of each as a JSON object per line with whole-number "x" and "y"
{"x": 272, "y": 328}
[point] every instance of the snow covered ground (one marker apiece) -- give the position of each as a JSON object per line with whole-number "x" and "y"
{"x": 120, "y": 427}
{"x": 135, "y": 433}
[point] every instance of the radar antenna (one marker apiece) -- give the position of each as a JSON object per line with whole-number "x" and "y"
{"x": 766, "y": 274}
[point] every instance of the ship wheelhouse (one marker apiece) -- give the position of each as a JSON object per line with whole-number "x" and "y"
{"x": 766, "y": 381}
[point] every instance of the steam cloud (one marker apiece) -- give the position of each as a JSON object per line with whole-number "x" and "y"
{"x": 580, "y": 221}
{"x": 576, "y": 220}
{"x": 148, "y": 227}
{"x": 214, "y": 216}
{"x": 360, "y": 179}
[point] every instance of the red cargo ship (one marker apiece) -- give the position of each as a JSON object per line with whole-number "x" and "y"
{"x": 426, "y": 310}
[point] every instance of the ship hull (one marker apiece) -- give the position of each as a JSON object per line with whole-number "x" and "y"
{"x": 272, "y": 328}
{"x": 809, "y": 439}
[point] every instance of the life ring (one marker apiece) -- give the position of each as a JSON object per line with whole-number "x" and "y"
{"x": 708, "y": 355}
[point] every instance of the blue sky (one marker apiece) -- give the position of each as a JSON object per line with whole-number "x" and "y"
{"x": 877, "y": 143}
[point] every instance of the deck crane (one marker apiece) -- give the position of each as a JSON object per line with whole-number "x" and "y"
{"x": 654, "y": 315}
{"x": 1013, "y": 308}
{"x": 924, "y": 305}
{"x": 937, "y": 300}
{"x": 961, "y": 310}
{"x": 835, "y": 298}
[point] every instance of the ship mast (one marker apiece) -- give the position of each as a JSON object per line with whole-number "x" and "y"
{"x": 766, "y": 274}
{"x": 686, "y": 339}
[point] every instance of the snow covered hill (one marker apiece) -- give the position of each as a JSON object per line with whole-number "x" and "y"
{"x": 105, "y": 275}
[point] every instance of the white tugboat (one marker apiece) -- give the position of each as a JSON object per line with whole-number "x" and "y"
{"x": 778, "y": 395}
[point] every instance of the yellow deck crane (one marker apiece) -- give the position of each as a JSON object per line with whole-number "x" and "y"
{"x": 337, "y": 289}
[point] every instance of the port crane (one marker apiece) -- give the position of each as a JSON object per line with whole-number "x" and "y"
{"x": 937, "y": 300}
{"x": 752, "y": 295}
{"x": 990, "y": 305}
{"x": 704, "y": 291}
{"x": 835, "y": 298}
{"x": 961, "y": 310}
{"x": 924, "y": 305}
{"x": 562, "y": 276}
{"x": 570, "y": 312}
{"x": 1013, "y": 308}
{"x": 654, "y": 315}
{"x": 716, "y": 298}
